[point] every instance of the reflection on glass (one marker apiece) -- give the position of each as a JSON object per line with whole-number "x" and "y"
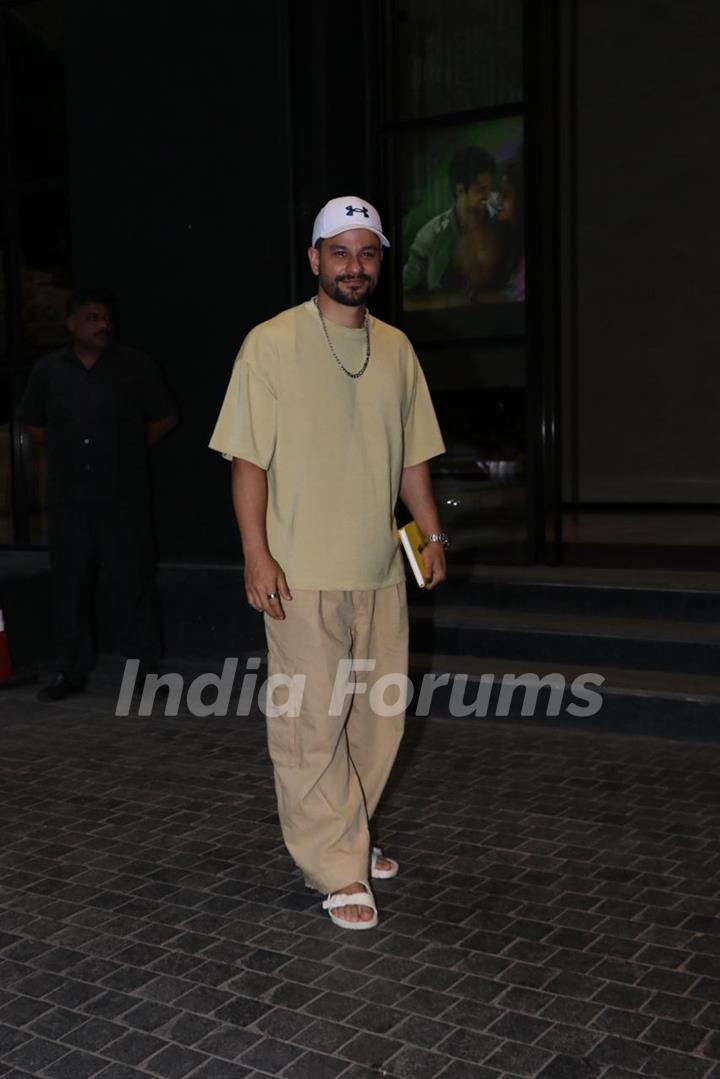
{"x": 480, "y": 483}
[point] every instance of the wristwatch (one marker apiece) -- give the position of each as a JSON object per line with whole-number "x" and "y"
{"x": 439, "y": 537}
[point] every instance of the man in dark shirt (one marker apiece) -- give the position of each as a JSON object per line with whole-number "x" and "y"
{"x": 97, "y": 406}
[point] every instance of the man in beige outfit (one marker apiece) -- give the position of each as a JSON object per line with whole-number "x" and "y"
{"x": 327, "y": 419}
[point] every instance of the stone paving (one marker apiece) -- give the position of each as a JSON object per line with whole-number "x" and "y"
{"x": 556, "y": 913}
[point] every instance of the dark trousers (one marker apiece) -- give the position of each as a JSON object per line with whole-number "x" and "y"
{"x": 118, "y": 535}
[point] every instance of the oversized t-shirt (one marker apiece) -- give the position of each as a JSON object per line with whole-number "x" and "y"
{"x": 334, "y": 447}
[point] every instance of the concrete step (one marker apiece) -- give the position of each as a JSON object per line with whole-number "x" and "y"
{"x": 587, "y": 639}
{"x": 619, "y": 593}
{"x": 641, "y": 702}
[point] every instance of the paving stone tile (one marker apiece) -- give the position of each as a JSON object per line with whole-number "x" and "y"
{"x": 469, "y": 1045}
{"x": 435, "y": 978}
{"x": 669, "y": 1006}
{"x": 628, "y": 1024}
{"x": 204, "y": 1000}
{"x": 711, "y": 1048}
{"x": 710, "y": 1016}
{"x": 519, "y": 1028}
{"x": 620, "y": 1073}
{"x": 375, "y": 1018}
{"x": 35, "y": 1054}
{"x": 150, "y": 1016}
{"x": 282, "y": 1024}
{"x": 706, "y": 989}
{"x": 38, "y": 984}
{"x": 461, "y": 1069}
{"x": 622, "y": 996}
{"x": 270, "y": 1055}
{"x": 518, "y": 1058}
{"x": 56, "y": 1022}
{"x": 11, "y": 1037}
{"x": 474, "y": 987}
{"x": 250, "y": 983}
{"x": 675, "y": 1035}
{"x": 21, "y": 1010}
{"x": 315, "y": 1066}
{"x": 565, "y": 1067}
{"x": 109, "y": 1004}
{"x": 354, "y": 1071}
{"x": 120, "y": 1071}
{"x": 621, "y": 1052}
{"x": 223, "y": 1069}
{"x": 379, "y": 991}
{"x": 528, "y": 974}
{"x": 371, "y": 1050}
{"x": 421, "y": 1031}
{"x": 93, "y": 1034}
{"x": 324, "y": 1036}
{"x": 133, "y": 1047}
{"x": 307, "y": 971}
{"x": 128, "y": 979}
{"x": 332, "y": 1006}
{"x": 426, "y": 1002}
{"x": 668, "y": 1065}
{"x": 75, "y": 1065}
{"x": 292, "y": 995}
{"x": 410, "y": 1063}
{"x": 569, "y": 1040}
{"x": 671, "y": 981}
{"x": 72, "y": 994}
{"x": 175, "y": 1061}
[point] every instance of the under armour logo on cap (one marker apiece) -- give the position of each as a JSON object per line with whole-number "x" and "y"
{"x": 345, "y": 213}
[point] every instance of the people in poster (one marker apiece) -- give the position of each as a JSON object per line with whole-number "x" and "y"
{"x": 510, "y": 214}
{"x": 472, "y": 252}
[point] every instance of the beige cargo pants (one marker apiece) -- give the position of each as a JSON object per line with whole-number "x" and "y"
{"x": 330, "y": 769}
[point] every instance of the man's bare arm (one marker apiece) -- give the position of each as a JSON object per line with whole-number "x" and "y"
{"x": 157, "y": 429}
{"x": 416, "y": 492}
{"x": 263, "y": 575}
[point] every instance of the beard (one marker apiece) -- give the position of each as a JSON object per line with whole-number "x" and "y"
{"x": 351, "y": 298}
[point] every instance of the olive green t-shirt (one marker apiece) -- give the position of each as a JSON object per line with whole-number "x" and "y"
{"x": 333, "y": 447}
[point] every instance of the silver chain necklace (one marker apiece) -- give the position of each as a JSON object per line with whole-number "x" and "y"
{"x": 350, "y": 374}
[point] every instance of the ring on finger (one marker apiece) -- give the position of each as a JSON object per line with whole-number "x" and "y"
{"x": 272, "y": 595}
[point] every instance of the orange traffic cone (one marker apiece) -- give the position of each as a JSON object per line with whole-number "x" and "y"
{"x": 5, "y": 660}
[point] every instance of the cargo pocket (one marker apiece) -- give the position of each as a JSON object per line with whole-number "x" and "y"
{"x": 282, "y": 719}
{"x": 283, "y": 743}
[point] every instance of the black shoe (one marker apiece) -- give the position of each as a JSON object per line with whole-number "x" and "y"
{"x": 61, "y": 687}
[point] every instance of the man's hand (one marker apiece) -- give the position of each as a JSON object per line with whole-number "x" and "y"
{"x": 433, "y": 556}
{"x": 263, "y": 577}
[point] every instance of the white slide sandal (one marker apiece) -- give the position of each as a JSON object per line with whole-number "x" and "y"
{"x": 357, "y": 899}
{"x": 382, "y": 874}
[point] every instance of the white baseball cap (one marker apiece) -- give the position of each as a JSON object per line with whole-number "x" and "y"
{"x": 345, "y": 213}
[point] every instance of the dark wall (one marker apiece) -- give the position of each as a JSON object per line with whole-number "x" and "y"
{"x": 181, "y": 200}
{"x": 648, "y": 95}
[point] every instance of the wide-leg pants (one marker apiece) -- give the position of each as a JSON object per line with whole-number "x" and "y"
{"x": 118, "y": 535}
{"x": 331, "y": 769}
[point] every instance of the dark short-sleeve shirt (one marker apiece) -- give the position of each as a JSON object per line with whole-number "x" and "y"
{"x": 95, "y": 422}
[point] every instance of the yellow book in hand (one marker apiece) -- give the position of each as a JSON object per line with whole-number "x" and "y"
{"x": 413, "y": 541}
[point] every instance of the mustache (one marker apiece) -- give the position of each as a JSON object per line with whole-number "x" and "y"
{"x": 353, "y": 277}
